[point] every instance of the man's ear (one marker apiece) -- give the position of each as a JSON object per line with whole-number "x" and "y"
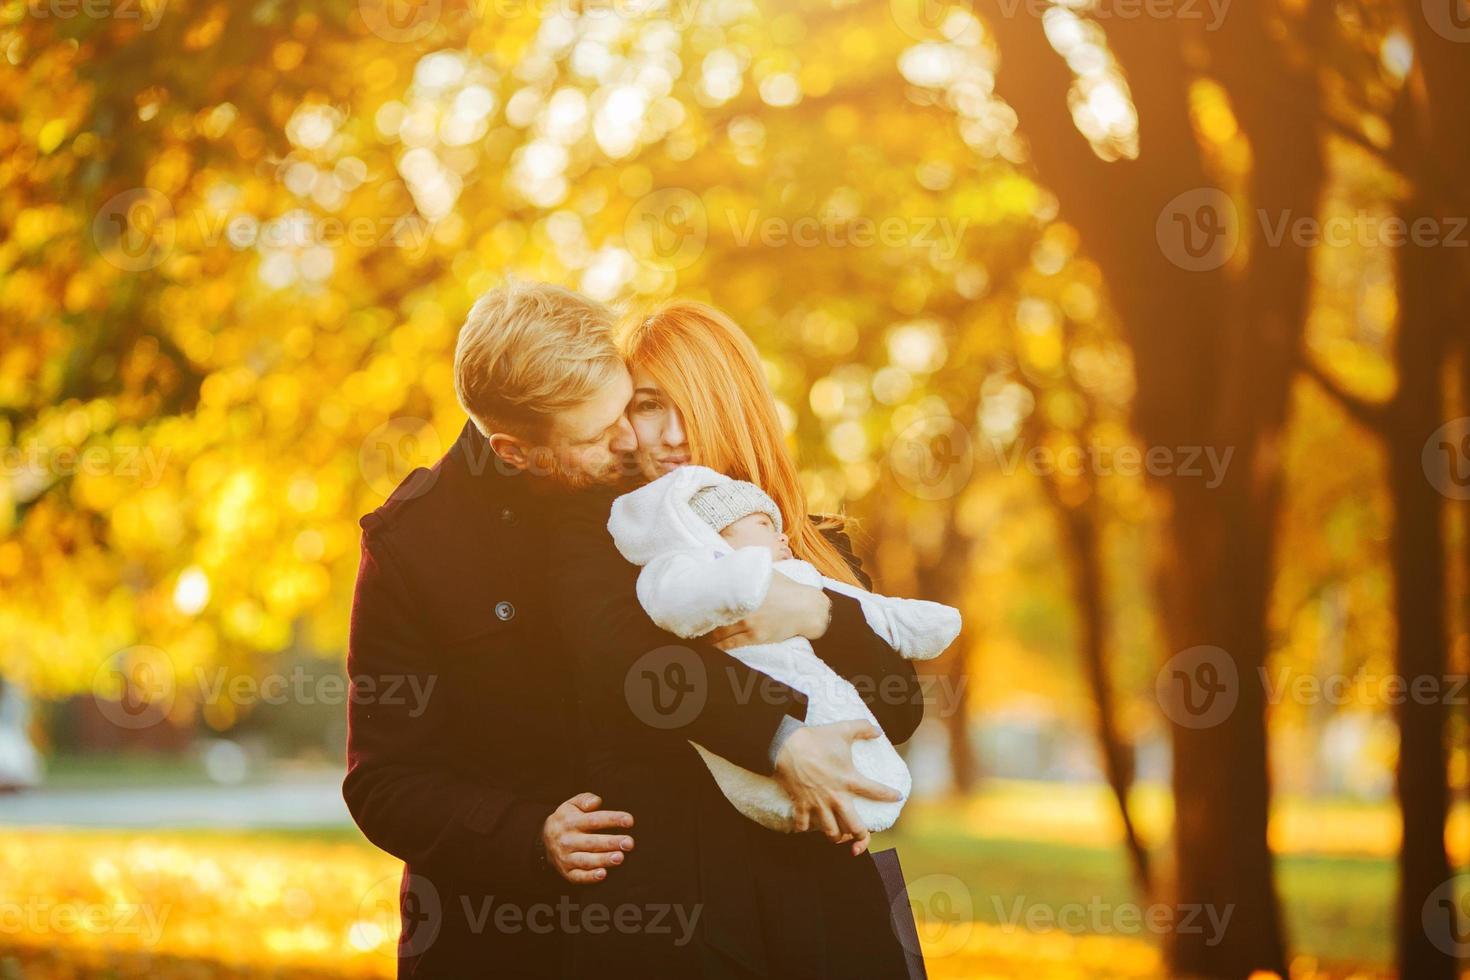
{"x": 510, "y": 449}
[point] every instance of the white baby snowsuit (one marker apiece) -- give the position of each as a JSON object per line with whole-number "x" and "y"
{"x": 693, "y": 582}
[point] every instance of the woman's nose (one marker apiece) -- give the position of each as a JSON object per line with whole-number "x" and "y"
{"x": 674, "y": 433}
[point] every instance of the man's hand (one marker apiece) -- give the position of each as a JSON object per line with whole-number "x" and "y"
{"x": 815, "y": 769}
{"x": 791, "y": 609}
{"x": 577, "y": 853}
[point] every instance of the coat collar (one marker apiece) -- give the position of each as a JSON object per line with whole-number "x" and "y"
{"x": 476, "y": 463}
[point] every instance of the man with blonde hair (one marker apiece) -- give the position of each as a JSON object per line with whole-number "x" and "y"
{"x": 475, "y": 785}
{"x": 538, "y": 373}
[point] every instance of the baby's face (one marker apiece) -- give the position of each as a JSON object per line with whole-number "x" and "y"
{"x": 759, "y": 531}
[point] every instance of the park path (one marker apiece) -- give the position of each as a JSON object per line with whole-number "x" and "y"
{"x": 290, "y": 801}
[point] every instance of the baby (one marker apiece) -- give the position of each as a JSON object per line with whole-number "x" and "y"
{"x": 708, "y": 546}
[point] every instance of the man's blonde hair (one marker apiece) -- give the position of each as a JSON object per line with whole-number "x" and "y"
{"x": 528, "y": 350}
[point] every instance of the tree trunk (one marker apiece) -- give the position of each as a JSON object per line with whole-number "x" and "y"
{"x": 1219, "y": 568}
{"x": 964, "y": 766}
{"x": 944, "y": 578}
{"x": 938, "y": 569}
{"x": 1434, "y": 145}
{"x": 1421, "y": 608}
{"x": 1215, "y": 352}
{"x": 1118, "y": 765}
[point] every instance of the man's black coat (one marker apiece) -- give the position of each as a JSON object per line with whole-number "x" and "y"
{"x": 450, "y": 593}
{"x": 455, "y": 598}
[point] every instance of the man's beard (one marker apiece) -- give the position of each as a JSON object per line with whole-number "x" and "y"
{"x": 621, "y": 472}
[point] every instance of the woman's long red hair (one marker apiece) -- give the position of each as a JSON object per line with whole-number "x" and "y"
{"x": 711, "y": 372}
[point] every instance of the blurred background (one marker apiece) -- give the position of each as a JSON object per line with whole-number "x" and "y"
{"x": 1135, "y": 329}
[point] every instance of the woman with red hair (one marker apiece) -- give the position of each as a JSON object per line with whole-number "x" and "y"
{"x": 759, "y": 903}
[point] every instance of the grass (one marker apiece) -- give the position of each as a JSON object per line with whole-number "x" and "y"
{"x": 1059, "y": 846}
{"x": 988, "y": 878}
{"x": 1338, "y": 910}
{"x": 130, "y": 770}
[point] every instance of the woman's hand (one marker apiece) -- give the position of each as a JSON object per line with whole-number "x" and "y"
{"x": 815, "y": 769}
{"x": 579, "y": 855}
{"x": 791, "y": 609}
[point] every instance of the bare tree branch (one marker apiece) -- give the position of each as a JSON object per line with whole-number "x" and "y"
{"x": 1373, "y": 416}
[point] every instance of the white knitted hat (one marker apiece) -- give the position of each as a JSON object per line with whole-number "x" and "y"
{"x": 723, "y": 504}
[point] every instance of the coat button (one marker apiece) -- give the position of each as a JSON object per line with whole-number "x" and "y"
{"x": 507, "y": 515}
{"x": 504, "y": 610}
